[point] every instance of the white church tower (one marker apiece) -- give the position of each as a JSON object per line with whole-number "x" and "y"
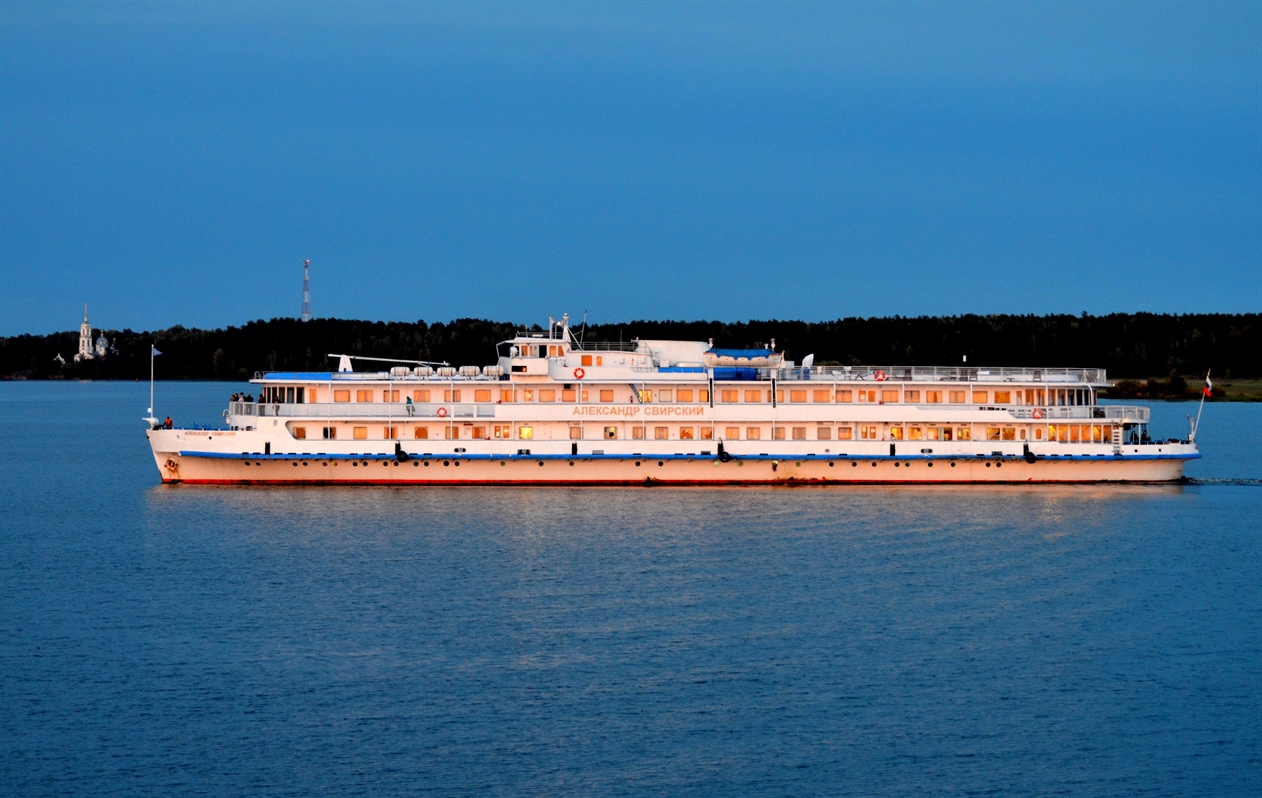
{"x": 85, "y": 337}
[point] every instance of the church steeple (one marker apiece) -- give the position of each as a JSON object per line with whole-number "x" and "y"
{"x": 85, "y": 337}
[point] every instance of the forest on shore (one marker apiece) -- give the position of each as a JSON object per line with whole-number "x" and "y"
{"x": 1159, "y": 355}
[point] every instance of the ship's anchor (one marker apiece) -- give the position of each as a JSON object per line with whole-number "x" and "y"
{"x": 399, "y": 454}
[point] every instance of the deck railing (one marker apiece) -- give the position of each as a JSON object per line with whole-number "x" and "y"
{"x": 1133, "y": 413}
{"x": 384, "y": 410}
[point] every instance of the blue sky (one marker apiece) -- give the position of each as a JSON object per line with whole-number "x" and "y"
{"x": 176, "y": 163}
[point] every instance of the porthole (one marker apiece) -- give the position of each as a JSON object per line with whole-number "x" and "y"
{"x": 415, "y": 464}
{"x": 832, "y": 465}
{"x": 998, "y": 465}
{"x": 295, "y": 465}
{"x": 427, "y": 464}
{"x": 660, "y": 463}
{"x": 897, "y": 464}
{"x": 798, "y": 463}
{"x": 541, "y": 464}
{"x": 930, "y": 465}
{"x": 953, "y": 464}
{"x": 988, "y": 465}
{"x": 571, "y": 464}
{"x": 446, "y": 462}
{"x": 874, "y": 464}
{"x": 385, "y": 464}
{"x": 304, "y": 463}
{"x": 853, "y": 464}
{"x": 457, "y": 464}
{"x": 637, "y": 463}
{"x": 355, "y": 464}
{"x": 502, "y": 464}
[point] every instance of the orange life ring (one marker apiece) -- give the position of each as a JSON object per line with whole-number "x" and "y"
{"x": 1038, "y": 412}
{"x": 442, "y": 412}
{"x": 578, "y": 373}
{"x": 879, "y": 376}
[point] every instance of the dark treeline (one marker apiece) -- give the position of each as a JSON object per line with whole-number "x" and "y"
{"x": 1139, "y": 345}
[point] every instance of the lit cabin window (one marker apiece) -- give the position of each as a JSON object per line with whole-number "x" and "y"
{"x": 586, "y": 360}
{"x": 981, "y": 397}
{"x": 823, "y": 433}
{"x": 777, "y": 433}
{"x": 528, "y": 396}
{"x": 451, "y": 396}
{"x": 360, "y": 433}
{"x": 913, "y": 396}
{"x": 665, "y": 395}
{"x": 420, "y": 433}
{"x": 330, "y": 433}
{"x": 506, "y": 395}
{"x": 479, "y": 433}
{"x": 845, "y": 396}
{"x": 600, "y": 360}
{"x": 300, "y": 433}
{"x": 822, "y": 397}
{"x": 1003, "y": 397}
{"x": 957, "y": 397}
{"x": 576, "y": 433}
{"x": 889, "y": 397}
{"x": 390, "y": 433}
{"x": 606, "y": 395}
{"x": 685, "y": 433}
{"x": 646, "y": 395}
{"x": 753, "y": 396}
{"x": 732, "y": 433}
{"x": 568, "y": 395}
{"x": 992, "y": 433}
{"x": 547, "y": 395}
{"x": 896, "y": 433}
{"x": 661, "y": 433}
{"x": 363, "y": 396}
{"x": 389, "y": 396}
{"x": 341, "y": 396}
{"x": 845, "y": 433}
{"x": 867, "y": 432}
{"x": 703, "y": 395}
{"x": 611, "y": 433}
{"x": 867, "y": 396}
{"x": 933, "y": 397}
{"x": 1009, "y": 434}
{"x": 420, "y": 396}
{"x": 753, "y": 433}
{"x": 779, "y": 396}
{"x": 797, "y": 396}
{"x": 526, "y": 433}
{"x": 637, "y": 433}
{"x": 502, "y": 431}
{"x": 963, "y": 433}
{"x": 684, "y": 395}
{"x": 707, "y": 433}
{"x": 452, "y": 433}
{"x": 311, "y": 395}
{"x": 482, "y": 395}
{"x": 1038, "y": 433}
{"x": 799, "y": 433}
{"x": 727, "y": 395}
{"x": 914, "y": 434}
{"x": 931, "y": 433}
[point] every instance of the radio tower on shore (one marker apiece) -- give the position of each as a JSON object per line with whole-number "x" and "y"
{"x": 306, "y": 290}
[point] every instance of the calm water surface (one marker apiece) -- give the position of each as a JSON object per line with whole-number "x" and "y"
{"x": 158, "y": 640}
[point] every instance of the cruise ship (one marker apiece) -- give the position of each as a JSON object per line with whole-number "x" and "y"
{"x": 555, "y": 410}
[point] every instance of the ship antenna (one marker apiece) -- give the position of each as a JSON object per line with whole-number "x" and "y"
{"x": 583, "y": 329}
{"x": 306, "y": 290}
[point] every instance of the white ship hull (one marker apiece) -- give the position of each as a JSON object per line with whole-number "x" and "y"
{"x": 225, "y": 458}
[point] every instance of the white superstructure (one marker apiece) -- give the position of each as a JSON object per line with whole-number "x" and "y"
{"x": 555, "y": 410}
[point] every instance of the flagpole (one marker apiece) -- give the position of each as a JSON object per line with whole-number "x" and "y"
{"x": 1197, "y": 428}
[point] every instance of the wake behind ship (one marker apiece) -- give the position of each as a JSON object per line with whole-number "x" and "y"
{"x": 555, "y": 410}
